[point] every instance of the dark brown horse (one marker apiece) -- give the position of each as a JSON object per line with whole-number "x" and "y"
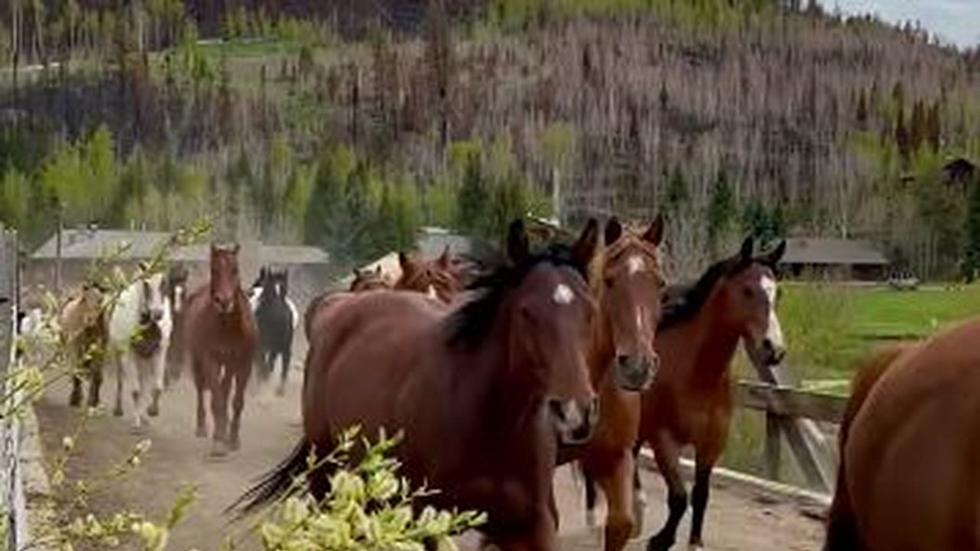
{"x": 908, "y": 477}
{"x": 691, "y": 400}
{"x": 221, "y": 338}
{"x": 627, "y": 284}
{"x": 437, "y": 278}
{"x": 484, "y": 393}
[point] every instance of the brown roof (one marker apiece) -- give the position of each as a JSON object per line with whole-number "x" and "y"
{"x": 831, "y": 251}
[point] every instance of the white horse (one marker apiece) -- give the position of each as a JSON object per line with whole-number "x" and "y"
{"x": 139, "y": 334}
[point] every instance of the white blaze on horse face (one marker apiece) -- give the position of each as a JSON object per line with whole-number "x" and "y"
{"x": 178, "y": 298}
{"x": 431, "y": 292}
{"x": 635, "y": 264}
{"x": 563, "y": 294}
{"x": 774, "y": 332}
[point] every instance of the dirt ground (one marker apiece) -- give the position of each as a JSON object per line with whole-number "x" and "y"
{"x": 735, "y": 519}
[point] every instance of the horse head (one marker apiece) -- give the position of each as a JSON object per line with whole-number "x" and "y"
{"x": 225, "y": 278}
{"x": 175, "y": 286}
{"x": 629, "y": 289}
{"x": 750, "y": 294}
{"x": 436, "y": 278}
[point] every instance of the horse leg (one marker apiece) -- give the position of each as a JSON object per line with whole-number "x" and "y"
{"x": 286, "y": 356}
{"x": 238, "y": 404}
{"x": 639, "y": 498}
{"x": 201, "y": 384}
{"x": 219, "y": 411}
{"x": 617, "y": 484}
{"x": 541, "y": 536}
{"x": 133, "y": 368}
{"x": 591, "y": 497}
{"x": 667, "y": 454}
{"x": 699, "y": 502}
{"x": 118, "y": 409}
{"x": 95, "y": 385}
{"x": 158, "y": 372}
{"x": 75, "y": 399}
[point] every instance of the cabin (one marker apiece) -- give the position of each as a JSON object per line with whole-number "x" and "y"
{"x": 833, "y": 258}
{"x": 82, "y": 247}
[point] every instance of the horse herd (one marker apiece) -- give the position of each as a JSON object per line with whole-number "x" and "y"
{"x": 566, "y": 353}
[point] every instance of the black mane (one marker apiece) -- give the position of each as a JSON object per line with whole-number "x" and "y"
{"x": 683, "y": 302}
{"x": 472, "y": 322}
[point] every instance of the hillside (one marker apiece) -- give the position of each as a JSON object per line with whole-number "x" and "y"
{"x": 727, "y": 119}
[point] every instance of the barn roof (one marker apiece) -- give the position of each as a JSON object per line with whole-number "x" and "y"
{"x": 831, "y": 251}
{"x": 88, "y": 243}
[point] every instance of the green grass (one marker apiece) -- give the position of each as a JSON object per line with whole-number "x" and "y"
{"x": 829, "y": 327}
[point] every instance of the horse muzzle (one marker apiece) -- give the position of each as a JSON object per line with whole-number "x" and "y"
{"x": 574, "y": 422}
{"x": 772, "y": 354}
{"x": 635, "y": 373}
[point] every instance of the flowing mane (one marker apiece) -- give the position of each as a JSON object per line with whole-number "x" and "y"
{"x": 472, "y": 322}
{"x": 683, "y": 302}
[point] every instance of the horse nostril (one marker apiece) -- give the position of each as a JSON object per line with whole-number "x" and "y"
{"x": 557, "y": 409}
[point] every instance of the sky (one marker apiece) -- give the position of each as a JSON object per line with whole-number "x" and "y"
{"x": 956, "y": 21}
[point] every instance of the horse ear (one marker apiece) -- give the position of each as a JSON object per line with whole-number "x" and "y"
{"x": 518, "y": 246}
{"x": 144, "y": 266}
{"x": 377, "y": 270}
{"x": 443, "y": 260}
{"x": 584, "y": 249}
{"x": 745, "y": 253}
{"x": 613, "y": 231}
{"x": 772, "y": 258}
{"x": 405, "y": 262}
{"x": 655, "y": 233}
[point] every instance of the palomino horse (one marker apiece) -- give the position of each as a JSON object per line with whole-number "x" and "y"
{"x": 690, "y": 402}
{"x": 221, "y": 339}
{"x": 437, "y": 278}
{"x": 83, "y": 334}
{"x": 622, "y": 361}
{"x": 908, "y": 474}
{"x": 483, "y": 393}
{"x": 176, "y": 293}
{"x": 276, "y": 317}
{"x": 369, "y": 280}
{"x": 139, "y": 333}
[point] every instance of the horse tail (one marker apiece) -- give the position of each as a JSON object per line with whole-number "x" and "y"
{"x": 277, "y": 483}
{"x": 842, "y": 529}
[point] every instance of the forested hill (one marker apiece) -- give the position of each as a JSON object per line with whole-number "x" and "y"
{"x": 729, "y": 119}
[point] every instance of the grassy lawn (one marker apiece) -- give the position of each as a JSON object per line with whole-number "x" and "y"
{"x": 828, "y": 328}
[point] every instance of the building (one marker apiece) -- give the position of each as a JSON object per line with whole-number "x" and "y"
{"x": 834, "y": 258}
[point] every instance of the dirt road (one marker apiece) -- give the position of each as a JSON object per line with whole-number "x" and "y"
{"x": 735, "y": 520}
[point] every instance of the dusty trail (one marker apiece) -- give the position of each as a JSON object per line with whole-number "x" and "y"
{"x": 270, "y": 427}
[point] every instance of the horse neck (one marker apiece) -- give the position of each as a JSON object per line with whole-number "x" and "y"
{"x": 492, "y": 366}
{"x": 712, "y": 343}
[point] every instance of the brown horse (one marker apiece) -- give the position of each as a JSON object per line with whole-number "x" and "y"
{"x": 221, "y": 339}
{"x": 369, "y": 280}
{"x": 908, "y": 476}
{"x": 690, "y": 402}
{"x": 622, "y": 361}
{"x": 437, "y": 278}
{"x": 484, "y": 393}
{"x": 82, "y": 321}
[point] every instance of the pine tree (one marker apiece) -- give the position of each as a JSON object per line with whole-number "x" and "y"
{"x": 971, "y": 257}
{"x": 721, "y": 210}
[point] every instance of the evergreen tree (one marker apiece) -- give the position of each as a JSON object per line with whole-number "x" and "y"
{"x": 971, "y": 258}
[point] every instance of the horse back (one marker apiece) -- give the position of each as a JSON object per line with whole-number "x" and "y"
{"x": 911, "y": 449}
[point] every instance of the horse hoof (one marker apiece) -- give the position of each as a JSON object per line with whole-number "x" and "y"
{"x": 659, "y": 543}
{"x": 235, "y": 445}
{"x": 75, "y": 400}
{"x": 281, "y": 391}
{"x": 219, "y": 449}
{"x": 153, "y": 411}
{"x": 117, "y": 411}
{"x": 695, "y": 547}
{"x": 590, "y": 519}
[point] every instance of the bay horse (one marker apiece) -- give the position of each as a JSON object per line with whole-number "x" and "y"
{"x": 908, "y": 474}
{"x": 176, "y": 292}
{"x": 221, "y": 339}
{"x": 139, "y": 333}
{"x": 483, "y": 392}
{"x": 622, "y": 362}
{"x": 691, "y": 402}
{"x": 83, "y": 336}
{"x": 276, "y": 317}
{"x": 439, "y": 278}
